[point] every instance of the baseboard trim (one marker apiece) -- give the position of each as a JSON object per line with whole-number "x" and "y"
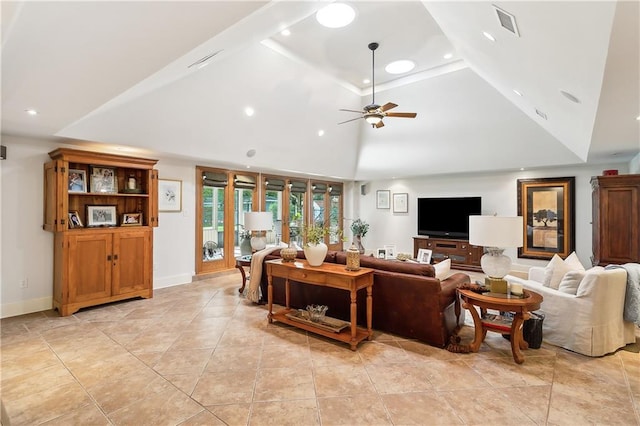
{"x": 171, "y": 281}
{"x": 26, "y": 307}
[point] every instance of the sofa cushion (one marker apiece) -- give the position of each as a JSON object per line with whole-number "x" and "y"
{"x": 390, "y": 265}
{"x": 443, "y": 269}
{"x": 571, "y": 281}
{"x": 557, "y": 268}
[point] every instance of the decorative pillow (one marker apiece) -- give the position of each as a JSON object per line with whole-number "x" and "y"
{"x": 557, "y": 268}
{"x": 443, "y": 269}
{"x": 571, "y": 281}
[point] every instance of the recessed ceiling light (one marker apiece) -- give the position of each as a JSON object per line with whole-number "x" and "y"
{"x": 249, "y": 111}
{"x": 335, "y": 15}
{"x": 517, "y": 92}
{"x": 285, "y": 32}
{"x": 366, "y": 81}
{"x": 488, "y": 36}
{"x": 31, "y": 111}
{"x": 541, "y": 114}
{"x": 570, "y": 96}
{"x": 399, "y": 67}
{"x": 448, "y": 56}
{"x": 638, "y": 118}
{"x": 320, "y": 132}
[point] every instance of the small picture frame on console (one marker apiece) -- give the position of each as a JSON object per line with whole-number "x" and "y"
{"x": 381, "y": 253}
{"x": 424, "y": 256}
{"x": 390, "y": 251}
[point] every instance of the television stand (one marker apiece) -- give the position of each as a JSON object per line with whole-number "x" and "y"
{"x": 462, "y": 254}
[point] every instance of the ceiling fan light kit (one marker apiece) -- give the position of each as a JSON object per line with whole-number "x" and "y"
{"x": 374, "y": 113}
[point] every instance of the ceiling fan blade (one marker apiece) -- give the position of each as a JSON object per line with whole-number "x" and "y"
{"x": 380, "y": 124}
{"x": 353, "y": 119}
{"x": 402, "y": 114}
{"x": 388, "y": 106}
{"x": 351, "y": 110}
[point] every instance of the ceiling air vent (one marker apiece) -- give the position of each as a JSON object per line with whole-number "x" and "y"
{"x": 507, "y": 20}
{"x": 204, "y": 59}
{"x": 541, "y": 114}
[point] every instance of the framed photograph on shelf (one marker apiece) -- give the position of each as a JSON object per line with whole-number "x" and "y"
{"x": 401, "y": 203}
{"x": 131, "y": 219}
{"x": 383, "y": 199}
{"x": 390, "y": 251}
{"x": 381, "y": 253}
{"x": 169, "y": 195}
{"x": 424, "y": 256}
{"x": 77, "y": 181}
{"x": 101, "y": 216}
{"x": 103, "y": 179}
{"x": 74, "y": 220}
{"x": 547, "y": 207}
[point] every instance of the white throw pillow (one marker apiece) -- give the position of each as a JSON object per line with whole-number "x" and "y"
{"x": 443, "y": 269}
{"x": 557, "y": 268}
{"x": 571, "y": 281}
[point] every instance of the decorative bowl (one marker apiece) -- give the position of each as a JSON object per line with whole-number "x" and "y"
{"x": 317, "y": 312}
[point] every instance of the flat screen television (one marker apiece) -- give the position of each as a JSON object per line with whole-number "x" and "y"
{"x": 447, "y": 217}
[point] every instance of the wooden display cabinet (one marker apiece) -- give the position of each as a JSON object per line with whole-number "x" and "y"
{"x": 615, "y": 219}
{"x": 95, "y": 265}
{"x": 462, "y": 254}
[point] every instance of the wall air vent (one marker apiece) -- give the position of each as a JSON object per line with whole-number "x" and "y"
{"x": 507, "y": 20}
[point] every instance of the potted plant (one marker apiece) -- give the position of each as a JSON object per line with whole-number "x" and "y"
{"x": 359, "y": 228}
{"x": 245, "y": 241}
{"x": 315, "y": 249}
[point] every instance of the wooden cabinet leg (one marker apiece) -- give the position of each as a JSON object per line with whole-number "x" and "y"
{"x": 369, "y": 312}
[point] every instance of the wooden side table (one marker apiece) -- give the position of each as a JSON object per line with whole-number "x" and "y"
{"x": 519, "y": 306}
{"x": 241, "y": 263}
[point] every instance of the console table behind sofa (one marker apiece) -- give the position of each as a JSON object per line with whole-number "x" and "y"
{"x": 407, "y": 298}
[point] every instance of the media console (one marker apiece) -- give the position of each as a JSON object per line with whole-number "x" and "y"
{"x": 462, "y": 254}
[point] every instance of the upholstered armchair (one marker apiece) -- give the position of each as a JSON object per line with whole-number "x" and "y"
{"x": 584, "y": 314}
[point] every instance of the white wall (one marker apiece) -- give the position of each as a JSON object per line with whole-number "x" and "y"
{"x": 634, "y": 165}
{"x": 499, "y": 195}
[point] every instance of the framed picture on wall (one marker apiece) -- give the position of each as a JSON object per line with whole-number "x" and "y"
{"x": 383, "y": 199}
{"x": 401, "y": 203}
{"x": 169, "y": 195}
{"x": 547, "y": 207}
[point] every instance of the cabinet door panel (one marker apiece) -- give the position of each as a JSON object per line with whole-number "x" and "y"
{"x": 89, "y": 266}
{"x": 133, "y": 263}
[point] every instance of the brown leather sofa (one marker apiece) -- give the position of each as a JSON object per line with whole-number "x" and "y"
{"x": 408, "y": 300}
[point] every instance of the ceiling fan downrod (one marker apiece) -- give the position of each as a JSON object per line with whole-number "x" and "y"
{"x": 373, "y": 47}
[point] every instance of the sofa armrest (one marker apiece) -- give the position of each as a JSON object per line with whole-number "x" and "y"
{"x": 450, "y": 284}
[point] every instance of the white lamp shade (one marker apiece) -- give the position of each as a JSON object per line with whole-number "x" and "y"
{"x": 495, "y": 231}
{"x": 258, "y": 221}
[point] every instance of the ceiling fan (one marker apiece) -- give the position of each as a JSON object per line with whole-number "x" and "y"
{"x": 374, "y": 113}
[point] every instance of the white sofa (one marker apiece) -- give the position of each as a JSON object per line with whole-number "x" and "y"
{"x": 588, "y": 322}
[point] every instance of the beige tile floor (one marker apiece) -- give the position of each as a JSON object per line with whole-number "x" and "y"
{"x": 199, "y": 354}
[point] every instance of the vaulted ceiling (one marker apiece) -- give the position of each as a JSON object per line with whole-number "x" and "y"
{"x": 126, "y": 75}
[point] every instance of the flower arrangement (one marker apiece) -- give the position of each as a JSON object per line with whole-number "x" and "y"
{"x": 244, "y": 233}
{"x": 359, "y": 228}
{"x": 316, "y": 232}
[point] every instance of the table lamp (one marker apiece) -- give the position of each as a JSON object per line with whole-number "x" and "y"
{"x": 258, "y": 222}
{"x": 495, "y": 233}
